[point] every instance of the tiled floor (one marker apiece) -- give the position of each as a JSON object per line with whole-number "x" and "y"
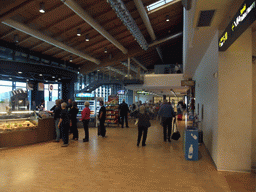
{"x": 115, "y": 163}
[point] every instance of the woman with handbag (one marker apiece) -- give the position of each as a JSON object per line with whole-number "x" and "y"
{"x": 143, "y": 125}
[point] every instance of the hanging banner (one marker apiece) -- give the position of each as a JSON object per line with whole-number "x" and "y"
{"x": 245, "y": 16}
{"x": 50, "y": 87}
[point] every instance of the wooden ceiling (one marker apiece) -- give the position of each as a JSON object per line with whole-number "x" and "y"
{"x": 61, "y": 23}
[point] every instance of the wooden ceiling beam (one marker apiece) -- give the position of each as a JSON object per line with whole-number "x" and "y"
{"x": 15, "y": 10}
{"x": 36, "y": 17}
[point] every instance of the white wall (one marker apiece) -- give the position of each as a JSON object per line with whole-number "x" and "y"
{"x": 206, "y": 93}
{"x": 235, "y": 106}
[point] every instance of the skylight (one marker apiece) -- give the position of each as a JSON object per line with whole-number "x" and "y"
{"x": 158, "y": 4}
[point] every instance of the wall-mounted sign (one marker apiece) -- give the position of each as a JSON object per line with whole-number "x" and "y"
{"x": 245, "y": 16}
{"x": 121, "y": 92}
{"x": 187, "y": 83}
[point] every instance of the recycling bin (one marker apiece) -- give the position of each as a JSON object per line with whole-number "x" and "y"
{"x": 191, "y": 144}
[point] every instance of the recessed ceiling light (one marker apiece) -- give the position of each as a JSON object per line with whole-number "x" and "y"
{"x": 20, "y": 72}
{"x": 42, "y": 8}
{"x": 59, "y": 79}
{"x": 105, "y": 51}
{"x": 40, "y": 74}
{"x": 53, "y": 77}
{"x": 70, "y": 59}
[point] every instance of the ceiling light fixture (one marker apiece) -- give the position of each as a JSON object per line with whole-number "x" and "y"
{"x": 105, "y": 51}
{"x": 87, "y": 38}
{"x": 167, "y": 18}
{"x": 70, "y": 59}
{"x": 20, "y": 72}
{"x": 27, "y": 80}
{"x": 42, "y": 8}
{"x": 40, "y": 75}
{"x": 46, "y": 80}
{"x": 16, "y": 38}
{"x": 59, "y": 79}
{"x": 10, "y": 78}
{"x": 53, "y": 77}
{"x": 56, "y": 80}
{"x": 79, "y": 32}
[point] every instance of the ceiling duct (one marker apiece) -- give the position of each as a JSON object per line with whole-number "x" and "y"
{"x": 148, "y": 25}
{"x": 34, "y": 33}
{"x": 122, "y": 12}
{"x": 88, "y": 19}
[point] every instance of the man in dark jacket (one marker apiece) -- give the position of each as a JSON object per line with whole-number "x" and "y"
{"x": 123, "y": 111}
{"x": 167, "y": 113}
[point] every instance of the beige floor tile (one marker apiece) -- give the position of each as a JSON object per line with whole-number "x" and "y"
{"x": 115, "y": 164}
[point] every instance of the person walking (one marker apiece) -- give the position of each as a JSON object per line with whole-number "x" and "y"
{"x": 167, "y": 113}
{"x": 64, "y": 124}
{"x": 85, "y": 119}
{"x": 143, "y": 125}
{"x": 102, "y": 118}
{"x": 73, "y": 125}
{"x": 123, "y": 110}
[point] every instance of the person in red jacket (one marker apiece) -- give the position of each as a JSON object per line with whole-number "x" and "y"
{"x": 85, "y": 119}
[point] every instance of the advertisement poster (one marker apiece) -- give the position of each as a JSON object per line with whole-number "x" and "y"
{"x": 113, "y": 100}
{"x": 40, "y": 86}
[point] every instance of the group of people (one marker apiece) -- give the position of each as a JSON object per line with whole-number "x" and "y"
{"x": 166, "y": 112}
{"x": 65, "y": 116}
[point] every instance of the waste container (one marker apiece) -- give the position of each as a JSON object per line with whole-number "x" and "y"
{"x": 191, "y": 144}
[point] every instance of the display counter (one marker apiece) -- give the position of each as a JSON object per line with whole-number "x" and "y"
{"x": 24, "y": 128}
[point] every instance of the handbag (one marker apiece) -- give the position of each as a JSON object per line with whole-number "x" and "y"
{"x": 176, "y": 133}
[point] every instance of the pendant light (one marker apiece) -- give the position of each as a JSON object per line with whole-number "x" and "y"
{"x": 78, "y": 32}
{"x": 42, "y": 8}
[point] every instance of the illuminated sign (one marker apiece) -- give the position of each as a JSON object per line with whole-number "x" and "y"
{"x": 241, "y": 21}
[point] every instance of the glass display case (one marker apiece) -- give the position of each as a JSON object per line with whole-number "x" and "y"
{"x": 18, "y": 121}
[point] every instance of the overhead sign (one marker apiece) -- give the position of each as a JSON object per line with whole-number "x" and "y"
{"x": 245, "y": 16}
{"x": 187, "y": 83}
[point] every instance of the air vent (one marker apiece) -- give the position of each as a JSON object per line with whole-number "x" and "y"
{"x": 205, "y": 18}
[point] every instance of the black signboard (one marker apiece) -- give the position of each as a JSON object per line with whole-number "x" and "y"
{"x": 245, "y": 16}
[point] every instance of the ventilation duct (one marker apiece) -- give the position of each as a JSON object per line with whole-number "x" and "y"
{"x": 205, "y": 18}
{"x": 122, "y": 12}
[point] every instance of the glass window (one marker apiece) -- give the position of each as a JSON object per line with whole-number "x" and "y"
{"x": 158, "y": 4}
{"x": 54, "y": 95}
{"x": 20, "y": 84}
{"x": 4, "y": 89}
{"x": 6, "y": 83}
{"x": 55, "y": 86}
